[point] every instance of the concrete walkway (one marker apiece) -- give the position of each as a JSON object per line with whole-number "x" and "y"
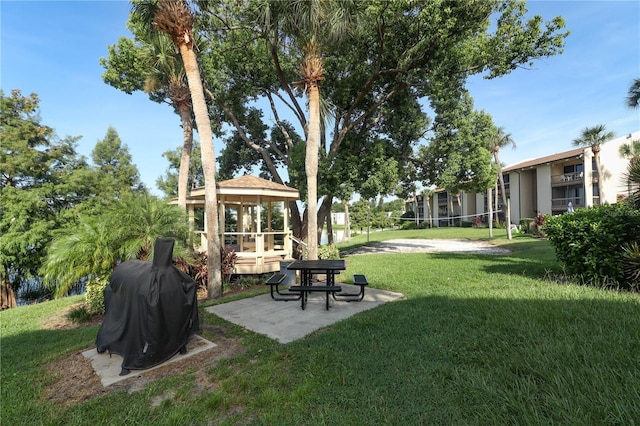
{"x": 286, "y": 321}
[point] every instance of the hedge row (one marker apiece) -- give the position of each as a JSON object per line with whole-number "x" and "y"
{"x": 590, "y": 242}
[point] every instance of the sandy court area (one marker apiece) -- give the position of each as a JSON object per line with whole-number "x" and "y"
{"x": 410, "y": 245}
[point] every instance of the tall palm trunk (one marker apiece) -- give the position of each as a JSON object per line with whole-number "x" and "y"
{"x": 185, "y": 160}
{"x": 347, "y": 221}
{"x": 214, "y": 277}
{"x": 490, "y": 212}
{"x": 507, "y": 219}
{"x": 596, "y": 157}
{"x": 311, "y": 169}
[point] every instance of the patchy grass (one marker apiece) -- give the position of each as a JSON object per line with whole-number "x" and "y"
{"x": 478, "y": 339}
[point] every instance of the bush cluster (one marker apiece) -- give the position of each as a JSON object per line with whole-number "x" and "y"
{"x": 590, "y": 242}
{"x": 94, "y": 295}
{"x": 328, "y": 252}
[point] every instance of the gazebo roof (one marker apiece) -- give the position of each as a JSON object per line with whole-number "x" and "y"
{"x": 249, "y": 186}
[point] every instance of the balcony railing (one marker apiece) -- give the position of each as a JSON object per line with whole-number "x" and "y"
{"x": 562, "y": 203}
{"x": 567, "y": 178}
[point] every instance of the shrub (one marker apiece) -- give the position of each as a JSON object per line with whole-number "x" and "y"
{"x": 196, "y": 266}
{"x": 589, "y": 242}
{"x": 408, "y": 224}
{"x": 328, "y": 252}
{"x": 499, "y": 225}
{"x": 242, "y": 282}
{"x": 228, "y": 258}
{"x": 94, "y": 297}
{"x": 80, "y": 314}
{"x": 537, "y": 225}
{"x": 631, "y": 264}
{"x": 525, "y": 224}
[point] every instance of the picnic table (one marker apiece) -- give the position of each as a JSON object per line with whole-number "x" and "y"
{"x": 307, "y": 268}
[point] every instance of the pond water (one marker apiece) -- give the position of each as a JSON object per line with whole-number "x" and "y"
{"x": 338, "y": 237}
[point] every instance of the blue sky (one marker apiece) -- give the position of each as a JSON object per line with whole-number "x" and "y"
{"x": 53, "y": 48}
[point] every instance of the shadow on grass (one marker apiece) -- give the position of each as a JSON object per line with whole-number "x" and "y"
{"x": 447, "y": 360}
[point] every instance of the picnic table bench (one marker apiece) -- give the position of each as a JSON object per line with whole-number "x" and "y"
{"x": 274, "y": 282}
{"x": 359, "y": 280}
{"x": 306, "y": 289}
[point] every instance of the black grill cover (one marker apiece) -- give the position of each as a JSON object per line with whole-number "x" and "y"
{"x": 151, "y": 310}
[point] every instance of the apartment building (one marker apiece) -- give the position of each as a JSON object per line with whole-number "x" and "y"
{"x": 543, "y": 185}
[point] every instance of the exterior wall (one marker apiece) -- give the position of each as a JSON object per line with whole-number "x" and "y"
{"x": 529, "y": 194}
{"x": 543, "y": 182}
{"x": 480, "y": 209}
{"x": 338, "y": 218}
{"x": 514, "y": 196}
{"x": 469, "y": 204}
{"x": 614, "y": 168}
{"x": 588, "y": 178}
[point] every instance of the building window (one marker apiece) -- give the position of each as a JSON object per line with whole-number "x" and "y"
{"x": 563, "y": 195}
{"x": 573, "y": 168}
{"x": 596, "y": 194}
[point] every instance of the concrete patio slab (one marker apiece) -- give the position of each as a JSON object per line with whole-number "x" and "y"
{"x": 286, "y": 321}
{"x": 108, "y": 367}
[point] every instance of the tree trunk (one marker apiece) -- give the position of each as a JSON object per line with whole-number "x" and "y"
{"x": 330, "y": 239}
{"x": 7, "y": 296}
{"x": 214, "y": 277}
{"x": 185, "y": 160}
{"x": 347, "y": 221}
{"x": 507, "y": 219}
{"x": 489, "y": 196}
{"x": 495, "y": 203}
{"x": 296, "y": 221}
{"x": 596, "y": 155}
{"x": 324, "y": 213}
{"x": 311, "y": 169}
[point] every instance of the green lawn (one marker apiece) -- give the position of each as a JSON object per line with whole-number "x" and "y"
{"x": 477, "y": 340}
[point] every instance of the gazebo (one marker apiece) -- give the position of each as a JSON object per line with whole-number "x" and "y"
{"x": 253, "y": 220}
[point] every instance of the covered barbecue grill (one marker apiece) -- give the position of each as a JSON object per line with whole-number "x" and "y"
{"x": 151, "y": 310}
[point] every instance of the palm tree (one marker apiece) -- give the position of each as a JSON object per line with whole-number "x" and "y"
{"x": 153, "y": 65}
{"x": 174, "y": 17}
{"x": 630, "y": 150}
{"x": 499, "y": 141}
{"x": 126, "y": 231}
{"x": 427, "y": 194}
{"x": 594, "y": 137}
{"x": 169, "y": 78}
{"x": 633, "y": 98}
{"x": 312, "y": 72}
{"x": 310, "y": 24}
{"x": 633, "y": 180}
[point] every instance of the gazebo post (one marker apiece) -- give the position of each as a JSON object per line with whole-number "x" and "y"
{"x": 287, "y": 232}
{"x": 221, "y": 220}
{"x": 259, "y": 234}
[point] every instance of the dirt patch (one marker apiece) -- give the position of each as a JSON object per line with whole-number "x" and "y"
{"x": 408, "y": 245}
{"x": 74, "y": 379}
{"x": 60, "y": 320}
